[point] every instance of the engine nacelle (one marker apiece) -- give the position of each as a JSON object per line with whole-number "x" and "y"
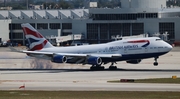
{"x": 136, "y": 61}
{"x": 59, "y": 59}
{"x": 94, "y": 60}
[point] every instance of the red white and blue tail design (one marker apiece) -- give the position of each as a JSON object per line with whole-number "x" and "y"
{"x": 35, "y": 39}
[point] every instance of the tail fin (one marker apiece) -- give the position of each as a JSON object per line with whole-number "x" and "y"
{"x": 35, "y": 39}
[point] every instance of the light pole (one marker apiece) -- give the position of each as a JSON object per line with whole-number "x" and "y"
{"x": 4, "y": 3}
{"x": 27, "y": 4}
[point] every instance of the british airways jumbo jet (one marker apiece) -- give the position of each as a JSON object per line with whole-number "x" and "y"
{"x": 130, "y": 50}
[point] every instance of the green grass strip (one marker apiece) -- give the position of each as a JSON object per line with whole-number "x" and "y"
{"x": 87, "y": 95}
{"x": 155, "y": 80}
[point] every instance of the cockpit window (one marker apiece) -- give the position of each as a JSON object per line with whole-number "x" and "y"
{"x": 158, "y": 39}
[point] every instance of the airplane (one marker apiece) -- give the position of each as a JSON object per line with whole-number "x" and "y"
{"x": 130, "y": 50}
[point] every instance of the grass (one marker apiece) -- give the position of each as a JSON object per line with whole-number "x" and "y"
{"x": 87, "y": 95}
{"x": 159, "y": 80}
{"x": 25, "y": 94}
{"x": 156, "y": 80}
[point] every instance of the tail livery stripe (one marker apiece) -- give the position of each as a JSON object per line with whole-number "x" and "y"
{"x": 39, "y": 47}
{"x": 32, "y": 40}
{"x": 27, "y": 31}
{"x": 35, "y": 39}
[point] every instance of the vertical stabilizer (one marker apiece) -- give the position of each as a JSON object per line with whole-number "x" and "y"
{"x": 35, "y": 39}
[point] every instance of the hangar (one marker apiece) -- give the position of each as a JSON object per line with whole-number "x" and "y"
{"x": 97, "y": 25}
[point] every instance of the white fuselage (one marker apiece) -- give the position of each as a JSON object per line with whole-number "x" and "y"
{"x": 129, "y": 50}
{"x": 117, "y": 47}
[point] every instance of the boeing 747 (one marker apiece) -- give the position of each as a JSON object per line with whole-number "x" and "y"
{"x": 130, "y": 50}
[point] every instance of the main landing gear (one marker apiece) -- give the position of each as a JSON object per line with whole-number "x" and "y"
{"x": 112, "y": 67}
{"x": 97, "y": 67}
{"x": 155, "y": 63}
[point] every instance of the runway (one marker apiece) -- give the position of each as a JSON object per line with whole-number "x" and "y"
{"x": 84, "y": 80}
{"x": 80, "y": 78}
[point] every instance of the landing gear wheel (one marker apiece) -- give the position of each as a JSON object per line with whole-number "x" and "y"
{"x": 97, "y": 68}
{"x": 112, "y": 67}
{"x": 155, "y": 63}
{"x": 92, "y": 68}
{"x": 101, "y": 68}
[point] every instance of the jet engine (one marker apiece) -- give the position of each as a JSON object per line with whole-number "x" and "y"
{"x": 94, "y": 60}
{"x": 59, "y": 59}
{"x": 136, "y": 61}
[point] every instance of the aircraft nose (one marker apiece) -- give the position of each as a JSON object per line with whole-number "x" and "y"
{"x": 169, "y": 47}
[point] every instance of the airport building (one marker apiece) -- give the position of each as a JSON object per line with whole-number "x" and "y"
{"x": 95, "y": 25}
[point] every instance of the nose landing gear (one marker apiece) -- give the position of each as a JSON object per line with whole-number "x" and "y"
{"x": 155, "y": 63}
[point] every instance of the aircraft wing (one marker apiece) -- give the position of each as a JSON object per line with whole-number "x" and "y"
{"x": 74, "y": 54}
{"x": 75, "y": 57}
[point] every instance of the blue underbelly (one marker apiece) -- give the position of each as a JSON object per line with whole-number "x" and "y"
{"x": 134, "y": 56}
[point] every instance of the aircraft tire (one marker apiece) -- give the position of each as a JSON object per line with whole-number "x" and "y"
{"x": 112, "y": 67}
{"x": 155, "y": 63}
{"x": 94, "y": 68}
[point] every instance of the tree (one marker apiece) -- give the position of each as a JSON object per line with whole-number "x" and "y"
{"x": 78, "y": 3}
{"x": 64, "y": 5}
{"x": 18, "y": 7}
{"x": 50, "y": 5}
{"x": 108, "y": 3}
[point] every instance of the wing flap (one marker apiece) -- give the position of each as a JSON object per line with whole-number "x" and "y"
{"x": 74, "y": 57}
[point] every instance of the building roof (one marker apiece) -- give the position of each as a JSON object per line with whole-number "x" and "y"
{"x": 76, "y": 13}
{"x": 44, "y": 14}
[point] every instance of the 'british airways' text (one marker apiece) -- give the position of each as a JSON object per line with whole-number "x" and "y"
{"x": 123, "y": 47}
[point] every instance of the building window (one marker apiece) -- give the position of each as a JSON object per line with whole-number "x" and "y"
{"x": 137, "y": 28}
{"x": 115, "y": 29}
{"x": 167, "y": 27}
{"x": 15, "y": 26}
{"x": 92, "y": 31}
{"x": 103, "y": 31}
{"x": 126, "y": 28}
{"x": 66, "y": 25}
{"x": 151, "y": 15}
{"x": 140, "y": 15}
{"x": 42, "y": 26}
{"x": 54, "y": 26}
{"x": 66, "y": 33}
{"x": 130, "y": 16}
{"x": 16, "y": 35}
{"x": 32, "y": 24}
